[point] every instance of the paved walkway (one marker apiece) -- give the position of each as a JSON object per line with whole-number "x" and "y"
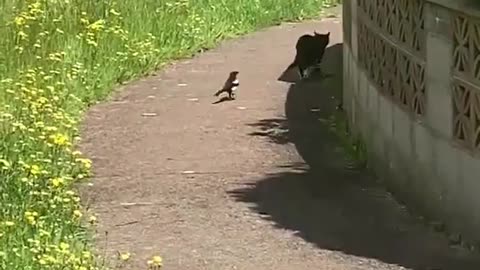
{"x": 226, "y": 186}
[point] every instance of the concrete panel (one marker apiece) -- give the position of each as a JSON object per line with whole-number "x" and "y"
{"x": 385, "y": 125}
{"x": 402, "y": 142}
{"x": 372, "y": 104}
{"x": 424, "y": 168}
{"x": 361, "y": 106}
{"x": 468, "y": 190}
{"x": 354, "y": 31}
{"x": 355, "y": 89}
{"x": 437, "y": 21}
{"x": 379, "y": 140}
{"x": 347, "y": 79}
{"x": 385, "y": 108}
{"x": 423, "y": 147}
{"x": 402, "y": 130}
{"x": 362, "y": 83}
{"x": 439, "y": 109}
{"x": 445, "y": 187}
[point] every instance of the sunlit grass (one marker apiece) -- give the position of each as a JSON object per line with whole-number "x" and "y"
{"x": 56, "y": 58}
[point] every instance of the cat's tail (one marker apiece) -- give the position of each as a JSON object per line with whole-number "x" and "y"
{"x": 293, "y": 64}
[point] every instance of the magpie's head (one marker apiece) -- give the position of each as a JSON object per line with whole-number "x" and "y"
{"x": 234, "y": 73}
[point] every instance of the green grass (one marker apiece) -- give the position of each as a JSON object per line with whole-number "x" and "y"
{"x": 353, "y": 145}
{"x": 59, "y": 56}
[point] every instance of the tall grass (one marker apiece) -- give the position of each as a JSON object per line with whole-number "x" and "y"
{"x": 56, "y": 58}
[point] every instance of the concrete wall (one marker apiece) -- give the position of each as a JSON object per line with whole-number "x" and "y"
{"x": 412, "y": 92}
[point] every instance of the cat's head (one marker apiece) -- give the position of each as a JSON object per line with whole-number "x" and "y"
{"x": 325, "y": 38}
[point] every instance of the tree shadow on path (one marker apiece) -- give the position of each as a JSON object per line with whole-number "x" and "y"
{"x": 334, "y": 207}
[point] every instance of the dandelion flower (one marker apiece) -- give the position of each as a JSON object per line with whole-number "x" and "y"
{"x": 125, "y": 256}
{"x": 35, "y": 170}
{"x": 156, "y": 261}
{"x": 64, "y": 246}
{"x": 19, "y": 20}
{"x": 92, "y": 219}
{"x": 59, "y": 139}
{"x": 57, "y": 181}
{"x": 77, "y": 213}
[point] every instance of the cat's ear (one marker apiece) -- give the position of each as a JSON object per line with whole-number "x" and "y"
{"x": 328, "y": 34}
{"x": 315, "y": 32}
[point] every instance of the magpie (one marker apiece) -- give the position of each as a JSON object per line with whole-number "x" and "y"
{"x": 230, "y": 86}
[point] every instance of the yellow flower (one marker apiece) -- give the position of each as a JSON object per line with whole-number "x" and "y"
{"x": 19, "y": 20}
{"x": 96, "y": 26}
{"x": 92, "y": 219}
{"x": 35, "y": 170}
{"x": 50, "y": 258}
{"x": 30, "y": 217}
{"x": 64, "y": 246}
{"x": 77, "y": 213}
{"x": 59, "y": 139}
{"x": 156, "y": 261}
{"x": 87, "y": 163}
{"x": 31, "y": 220}
{"x": 125, "y": 256}
{"x": 57, "y": 181}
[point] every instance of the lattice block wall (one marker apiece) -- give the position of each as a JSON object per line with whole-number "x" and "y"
{"x": 466, "y": 81}
{"x": 391, "y": 49}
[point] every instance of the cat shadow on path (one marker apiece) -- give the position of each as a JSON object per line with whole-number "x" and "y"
{"x": 335, "y": 207}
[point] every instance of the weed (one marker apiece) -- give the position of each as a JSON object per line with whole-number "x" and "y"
{"x": 58, "y": 57}
{"x": 354, "y": 146}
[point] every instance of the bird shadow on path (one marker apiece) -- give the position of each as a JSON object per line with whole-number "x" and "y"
{"x": 331, "y": 205}
{"x": 223, "y": 99}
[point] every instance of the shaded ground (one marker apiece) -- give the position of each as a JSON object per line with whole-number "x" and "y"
{"x": 268, "y": 187}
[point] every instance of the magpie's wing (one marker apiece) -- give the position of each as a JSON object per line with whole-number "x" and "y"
{"x": 227, "y": 84}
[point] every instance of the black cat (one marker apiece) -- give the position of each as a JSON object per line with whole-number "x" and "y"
{"x": 310, "y": 50}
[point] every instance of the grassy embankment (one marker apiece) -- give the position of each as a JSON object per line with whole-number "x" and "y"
{"x": 56, "y": 58}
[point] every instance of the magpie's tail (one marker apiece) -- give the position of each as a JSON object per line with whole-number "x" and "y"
{"x": 219, "y": 92}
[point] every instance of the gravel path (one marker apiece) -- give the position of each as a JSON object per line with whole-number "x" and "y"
{"x": 255, "y": 183}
